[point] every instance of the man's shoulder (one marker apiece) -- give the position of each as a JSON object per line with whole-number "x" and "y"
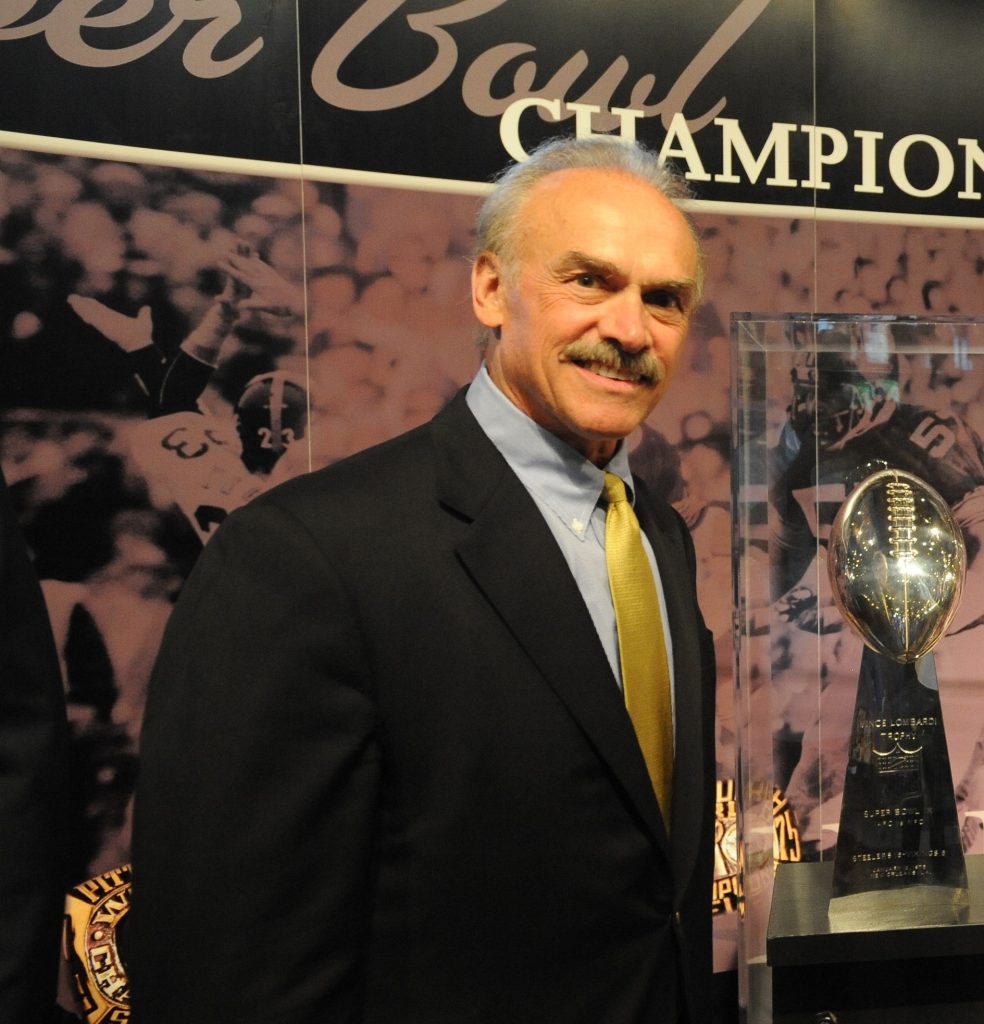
{"x": 387, "y": 478}
{"x": 397, "y": 462}
{"x": 448, "y": 460}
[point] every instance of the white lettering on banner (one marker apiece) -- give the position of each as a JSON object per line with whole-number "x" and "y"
{"x": 826, "y": 147}
{"x": 733, "y": 142}
{"x": 974, "y": 158}
{"x": 583, "y": 113}
{"x": 680, "y": 143}
{"x": 819, "y": 158}
{"x": 62, "y": 28}
{"x": 896, "y": 165}
{"x": 869, "y": 151}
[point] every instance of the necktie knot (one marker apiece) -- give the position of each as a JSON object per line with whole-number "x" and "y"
{"x": 615, "y": 489}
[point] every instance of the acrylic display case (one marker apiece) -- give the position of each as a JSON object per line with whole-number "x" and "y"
{"x": 821, "y": 404}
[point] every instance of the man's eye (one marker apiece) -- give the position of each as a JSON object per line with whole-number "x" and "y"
{"x": 587, "y": 280}
{"x": 663, "y": 298}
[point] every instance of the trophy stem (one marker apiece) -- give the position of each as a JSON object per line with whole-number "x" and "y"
{"x": 899, "y": 859}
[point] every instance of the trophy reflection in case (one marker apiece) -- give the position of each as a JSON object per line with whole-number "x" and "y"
{"x": 858, "y": 506}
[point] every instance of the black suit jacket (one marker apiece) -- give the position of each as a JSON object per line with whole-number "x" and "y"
{"x": 33, "y": 787}
{"x": 388, "y": 776}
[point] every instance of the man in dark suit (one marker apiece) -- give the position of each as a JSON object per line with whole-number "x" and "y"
{"x": 34, "y": 822}
{"x": 388, "y": 773}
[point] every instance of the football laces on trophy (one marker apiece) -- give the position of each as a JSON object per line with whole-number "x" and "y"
{"x": 896, "y": 563}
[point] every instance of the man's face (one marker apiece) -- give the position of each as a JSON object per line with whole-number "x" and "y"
{"x": 591, "y": 319}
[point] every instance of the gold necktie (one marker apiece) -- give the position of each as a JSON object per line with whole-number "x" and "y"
{"x": 641, "y": 644}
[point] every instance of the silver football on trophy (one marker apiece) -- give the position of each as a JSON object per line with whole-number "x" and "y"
{"x": 896, "y": 561}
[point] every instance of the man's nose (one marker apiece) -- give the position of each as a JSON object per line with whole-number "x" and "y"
{"x": 624, "y": 321}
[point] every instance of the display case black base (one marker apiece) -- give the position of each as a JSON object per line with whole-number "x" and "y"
{"x": 877, "y": 976}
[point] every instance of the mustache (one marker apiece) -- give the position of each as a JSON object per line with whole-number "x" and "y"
{"x": 642, "y": 365}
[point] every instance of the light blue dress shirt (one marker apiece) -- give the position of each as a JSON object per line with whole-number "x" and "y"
{"x": 567, "y": 489}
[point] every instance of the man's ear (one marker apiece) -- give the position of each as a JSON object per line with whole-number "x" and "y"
{"x": 488, "y": 288}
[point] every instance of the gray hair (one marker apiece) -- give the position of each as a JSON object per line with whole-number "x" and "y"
{"x": 499, "y": 219}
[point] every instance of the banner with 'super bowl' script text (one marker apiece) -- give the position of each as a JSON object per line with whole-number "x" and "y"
{"x": 757, "y": 101}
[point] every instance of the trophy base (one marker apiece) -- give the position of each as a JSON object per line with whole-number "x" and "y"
{"x": 912, "y": 906}
{"x": 909, "y": 974}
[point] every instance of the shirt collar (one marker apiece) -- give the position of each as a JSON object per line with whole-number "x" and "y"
{"x": 550, "y": 469}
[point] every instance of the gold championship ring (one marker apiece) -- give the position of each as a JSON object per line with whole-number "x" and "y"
{"x": 95, "y": 910}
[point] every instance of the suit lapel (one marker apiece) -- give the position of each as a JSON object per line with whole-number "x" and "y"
{"x": 534, "y": 593}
